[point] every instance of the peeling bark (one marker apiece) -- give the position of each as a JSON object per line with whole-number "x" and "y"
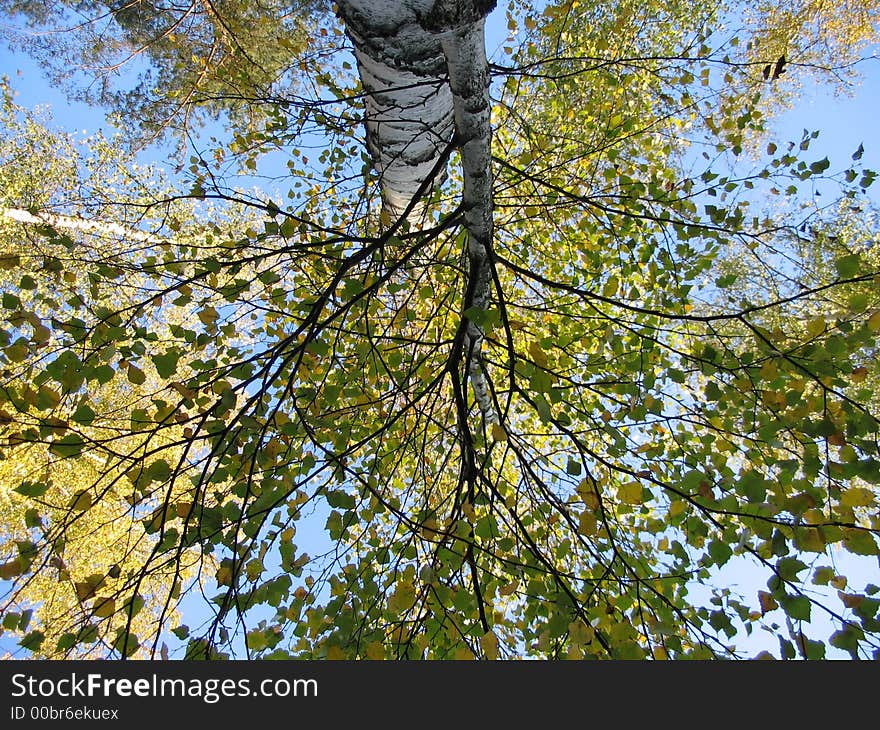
{"x": 423, "y": 67}
{"x": 409, "y": 116}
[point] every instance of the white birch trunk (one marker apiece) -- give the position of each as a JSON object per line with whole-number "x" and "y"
{"x": 423, "y": 67}
{"x": 408, "y": 103}
{"x": 465, "y": 52}
{"x": 72, "y": 223}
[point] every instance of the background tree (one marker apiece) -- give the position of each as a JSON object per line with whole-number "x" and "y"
{"x": 643, "y": 429}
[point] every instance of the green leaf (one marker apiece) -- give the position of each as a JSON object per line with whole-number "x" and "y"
{"x": 208, "y": 316}
{"x": 32, "y": 489}
{"x": 84, "y": 415}
{"x": 18, "y": 351}
{"x": 788, "y": 568}
{"x": 813, "y": 649}
{"x": 166, "y": 365}
{"x": 486, "y": 528}
{"x": 133, "y": 606}
{"x": 33, "y": 641}
{"x": 848, "y": 266}
{"x": 848, "y": 640}
{"x": 752, "y": 486}
{"x": 136, "y": 375}
{"x": 66, "y": 641}
{"x": 859, "y": 542}
{"x": 158, "y": 471}
{"x": 256, "y": 640}
{"x": 820, "y": 166}
{"x": 102, "y": 374}
{"x": 68, "y": 446}
{"x": 797, "y": 607}
{"x": 288, "y": 227}
{"x": 10, "y": 301}
{"x": 720, "y": 552}
{"x": 125, "y": 643}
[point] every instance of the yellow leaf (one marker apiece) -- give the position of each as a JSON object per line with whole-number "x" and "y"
{"x": 104, "y": 607}
{"x": 857, "y": 497}
{"x": 859, "y": 374}
{"x": 463, "y": 654}
{"x": 587, "y": 492}
{"x": 404, "y": 597}
{"x": 588, "y": 524}
{"x": 809, "y": 539}
{"x": 537, "y": 353}
{"x": 630, "y": 493}
{"x": 208, "y": 315}
{"x": 10, "y": 569}
{"x": 498, "y": 432}
{"x": 334, "y": 653}
{"x": 579, "y": 633}
{"x": 80, "y": 501}
{"x": 874, "y": 322}
{"x": 839, "y": 582}
{"x": 816, "y": 327}
{"x": 489, "y": 645}
{"x": 768, "y": 603}
{"x": 375, "y": 651}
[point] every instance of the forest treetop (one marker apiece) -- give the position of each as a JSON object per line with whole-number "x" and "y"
{"x": 610, "y": 344}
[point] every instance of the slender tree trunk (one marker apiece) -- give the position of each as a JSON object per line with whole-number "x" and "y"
{"x": 423, "y": 67}
{"x": 73, "y": 223}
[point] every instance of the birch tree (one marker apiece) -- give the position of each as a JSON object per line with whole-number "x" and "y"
{"x": 479, "y": 382}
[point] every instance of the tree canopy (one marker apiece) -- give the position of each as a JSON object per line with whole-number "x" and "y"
{"x": 509, "y": 358}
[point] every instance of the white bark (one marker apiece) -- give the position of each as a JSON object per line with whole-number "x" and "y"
{"x": 423, "y": 67}
{"x": 72, "y": 223}
{"x": 465, "y": 53}
{"x": 408, "y": 125}
{"x": 408, "y": 102}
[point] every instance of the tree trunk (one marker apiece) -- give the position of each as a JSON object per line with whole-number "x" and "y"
{"x": 425, "y": 74}
{"x": 73, "y": 223}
